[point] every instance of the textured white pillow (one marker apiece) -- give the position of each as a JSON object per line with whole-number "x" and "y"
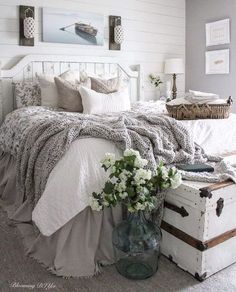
{"x": 49, "y": 96}
{"x": 98, "y": 103}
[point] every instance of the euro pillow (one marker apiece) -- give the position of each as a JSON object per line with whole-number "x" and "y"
{"x": 105, "y": 85}
{"x": 49, "y": 96}
{"x": 27, "y": 93}
{"x": 69, "y": 97}
{"x": 99, "y": 103}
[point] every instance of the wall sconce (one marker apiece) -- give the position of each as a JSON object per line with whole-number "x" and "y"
{"x": 27, "y": 25}
{"x": 116, "y": 33}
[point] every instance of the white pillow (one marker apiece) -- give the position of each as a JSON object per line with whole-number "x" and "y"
{"x": 49, "y": 96}
{"x": 98, "y": 103}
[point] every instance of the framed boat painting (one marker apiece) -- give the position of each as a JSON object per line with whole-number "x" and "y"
{"x": 72, "y": 27}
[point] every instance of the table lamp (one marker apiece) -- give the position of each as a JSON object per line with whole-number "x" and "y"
{"x": 174, "y": 67}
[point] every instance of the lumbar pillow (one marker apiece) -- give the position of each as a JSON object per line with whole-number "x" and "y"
{"x": 69, "y": 97}
{"x": 49, "y": 96}
{"x": 98, "y": 103}
{"x": 105, "y": 85}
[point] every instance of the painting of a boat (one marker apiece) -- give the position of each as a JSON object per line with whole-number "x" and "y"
{"x": 73, "y": 27}
{"x": 87, "y": 32}
{"x": 86, "y": 28}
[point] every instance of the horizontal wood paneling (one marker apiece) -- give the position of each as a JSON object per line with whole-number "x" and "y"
{"x": 10, "y": 11}
{"x": 11, "y": 24}
{"x": 154, "y": 31}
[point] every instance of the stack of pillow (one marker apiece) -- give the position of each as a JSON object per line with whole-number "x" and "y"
{"x": 70, "y": 92}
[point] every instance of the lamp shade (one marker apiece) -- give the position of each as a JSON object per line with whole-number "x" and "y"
{"x": 174, "y": 66}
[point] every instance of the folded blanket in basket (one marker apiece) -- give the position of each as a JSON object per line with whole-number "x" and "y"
{"x": 186, "y": 101}
{"x": 201, "y": 97}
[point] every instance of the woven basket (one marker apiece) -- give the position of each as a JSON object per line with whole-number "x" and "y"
{"x": 200, "y": 111}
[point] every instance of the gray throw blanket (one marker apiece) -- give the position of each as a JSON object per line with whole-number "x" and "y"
{"x": 39, "y": 137}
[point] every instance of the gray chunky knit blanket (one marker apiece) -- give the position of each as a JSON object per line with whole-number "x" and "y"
{"x": 39, "y": 137}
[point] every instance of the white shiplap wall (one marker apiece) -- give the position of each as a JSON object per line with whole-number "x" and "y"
{"x": 154, "y": 31}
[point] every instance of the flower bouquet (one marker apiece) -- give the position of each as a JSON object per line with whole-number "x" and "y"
{"x": 133, "y": 184}
{"x": 155, "y": 80}
{"x": 136, "y": 240}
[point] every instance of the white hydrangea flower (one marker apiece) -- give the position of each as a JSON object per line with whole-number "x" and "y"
{"x": 139, "y": 162}
{"x": 150, "y": 206}
{"x": 164, "y": 173}
{"x": 176, "y": 180}
{"x": 145, "y": 191}
{"x": 123, "y": 195}
{"x": 120, "y": 187}
{"x": 174, "y": 169}
{"x": 142, "y": 190}
{"x": 94, "y": 204}
{"x": 142, "y": 197}
{"x": 106, "y": 204}
{"x": 124, "y": 175}
{"x": 131, "y": 152}
{"x": 142, "y": 175}
{"x": 131, "y": 209}
{"x": 139, "y": 206}
{"x": 109, "y": 160}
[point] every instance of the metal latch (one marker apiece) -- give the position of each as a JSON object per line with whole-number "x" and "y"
{"x": 219, "y": 206}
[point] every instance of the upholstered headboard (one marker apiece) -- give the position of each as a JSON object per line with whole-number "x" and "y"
{"x": 28, "y": 66}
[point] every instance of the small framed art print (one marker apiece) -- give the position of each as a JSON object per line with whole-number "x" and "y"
{"x": 218, "y": 33}
{"x": 217, "y": 62}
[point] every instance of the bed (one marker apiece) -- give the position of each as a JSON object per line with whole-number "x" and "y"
{"x": 62, "y": 232}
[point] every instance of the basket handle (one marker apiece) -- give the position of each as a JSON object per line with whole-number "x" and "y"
{"x": 230, "y": 100}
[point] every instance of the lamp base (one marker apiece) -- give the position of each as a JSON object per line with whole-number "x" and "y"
{"x": 174, "y": 88}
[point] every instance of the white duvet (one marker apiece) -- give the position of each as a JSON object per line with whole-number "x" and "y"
{"x": 79, "y": 173}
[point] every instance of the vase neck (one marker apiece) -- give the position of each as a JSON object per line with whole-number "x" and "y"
{"x": 137, "y": 216}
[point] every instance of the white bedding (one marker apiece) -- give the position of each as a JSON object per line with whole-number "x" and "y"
{"x": 78, "y": 173}
{"x": 215, "y": 136}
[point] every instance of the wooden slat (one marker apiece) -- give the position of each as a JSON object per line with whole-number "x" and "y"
{"x": 182, "y": 235}
{"x": 221, "y": 238}
{"x": 134, "y": 5}
{"x": 199, "y": 245}
{"x": 217, "y": 186}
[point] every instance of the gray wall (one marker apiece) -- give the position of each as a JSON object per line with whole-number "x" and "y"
{"x": 198, "y": 13}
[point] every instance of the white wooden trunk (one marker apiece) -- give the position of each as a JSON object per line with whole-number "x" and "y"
{"x": 199, "y": 235}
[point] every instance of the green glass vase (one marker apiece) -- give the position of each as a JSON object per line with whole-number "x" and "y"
{"x": 136, "y": 244}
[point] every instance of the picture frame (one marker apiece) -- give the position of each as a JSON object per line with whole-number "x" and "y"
{"x": 72, "y": 27}
{"x": 217, "y": 62}
{"x": 218, "y": 32}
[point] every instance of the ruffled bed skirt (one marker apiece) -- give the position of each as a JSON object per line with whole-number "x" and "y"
{"x": 78, "y": 249}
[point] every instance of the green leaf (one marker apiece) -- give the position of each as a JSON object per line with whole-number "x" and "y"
{"x": 109, "y": 187}
{"x": 131, "y": 192}
{"x": 161, "y": 164}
